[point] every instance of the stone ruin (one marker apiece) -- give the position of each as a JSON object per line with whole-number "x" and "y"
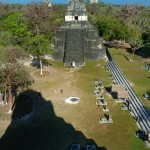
{"x": 77, "y": 40}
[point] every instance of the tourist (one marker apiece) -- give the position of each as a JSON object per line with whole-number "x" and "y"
{"x": 61, "y": 91}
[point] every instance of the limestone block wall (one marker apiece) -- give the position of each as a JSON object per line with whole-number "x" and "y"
{"x": 74, "y": 47}
{"x": 92, "y": 41}
{"x": 77, "y": 42}
{"x": 59, "y": 44}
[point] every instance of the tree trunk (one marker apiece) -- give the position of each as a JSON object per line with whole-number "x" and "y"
{"x": 10, "y": 98}
{"x": 5, "y": 94}
{"x": 36, "y": 24}
{"x": 41, "y": 67}
{"x": 133, "y": 52}
{"x": 37, "y": 29}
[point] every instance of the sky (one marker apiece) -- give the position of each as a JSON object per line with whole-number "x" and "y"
{"x": 120, "y": 2}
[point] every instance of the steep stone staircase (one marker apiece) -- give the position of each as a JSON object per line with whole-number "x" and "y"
{"x": 74, "y": 47}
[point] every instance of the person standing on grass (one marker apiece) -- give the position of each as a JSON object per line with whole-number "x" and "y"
{"x": 61, "y": 91}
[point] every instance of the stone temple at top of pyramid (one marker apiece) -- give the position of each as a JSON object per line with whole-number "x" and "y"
{"x": 76, "y": 40}
{"x": 76, "y": 10}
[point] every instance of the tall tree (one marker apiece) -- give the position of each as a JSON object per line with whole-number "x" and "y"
{"x": 15, "y": 24}
{"x": 112, "y": 29}
{"x": 5, "y": 9}
{"x": 37, "y": 14}
{"x": 39, "y": 46}
{"x": 136, "y": 15}
{"x": 10, "y": 67}
{"x": 6, "y": 38}
{"x": 135, "y": 39}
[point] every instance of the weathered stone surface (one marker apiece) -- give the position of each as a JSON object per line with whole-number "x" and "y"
{"x": 77, "y": 40}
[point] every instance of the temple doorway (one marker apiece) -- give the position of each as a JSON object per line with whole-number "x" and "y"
{"x": 76, "y": 18}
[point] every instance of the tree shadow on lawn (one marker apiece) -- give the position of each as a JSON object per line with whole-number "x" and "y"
{"x": 143, "y": 52}
{"x": 43, "y": 130}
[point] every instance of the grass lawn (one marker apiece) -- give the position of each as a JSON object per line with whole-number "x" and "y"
{"x": 133, "y": 72}
{"x": 83, "y": 117}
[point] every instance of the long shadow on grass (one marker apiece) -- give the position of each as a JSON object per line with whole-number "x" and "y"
{"x": 42, "y": 130}
{"x": 108, "y": 89}
{"x": 143, "y": 52}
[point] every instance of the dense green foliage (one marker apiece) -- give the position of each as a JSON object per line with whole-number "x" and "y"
{"x": 21, "y": 23}
{"x": 12, "y": 75}
{"x": 129, "y": 23}
{"x": 15, "y": 24}
{"x": 113, "y": 29}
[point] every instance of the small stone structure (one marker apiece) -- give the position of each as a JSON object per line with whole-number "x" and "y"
{"x": 122, "y": 95}
{"x": 106, "y": 119}
{"x": 77, "y": 40}
{"x": 105, "y": 109}
{"x": 120, "y": 92}
{"x": 101, "y": 102}
{"x": 117, "y": 88}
